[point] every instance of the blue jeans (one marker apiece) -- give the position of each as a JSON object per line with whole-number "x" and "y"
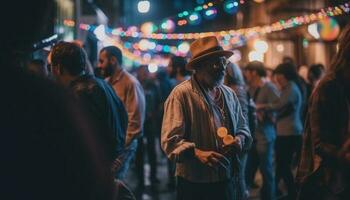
{"x": 125, "y": 159}
{"x": 265, "y": 151}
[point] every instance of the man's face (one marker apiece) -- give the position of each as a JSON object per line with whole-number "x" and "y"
{"x": 170, "y": 70}
{"x": 251, "y": 76}
{"x": 105, "y": 64}
{"x": 214, "y": 70}
{"x": 248, "y": 75}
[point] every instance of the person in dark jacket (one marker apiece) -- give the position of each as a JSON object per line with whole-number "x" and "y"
{"x": 48, "y": 145}
{"x": 324, "y": 169}
{"x": 98, "y": 97}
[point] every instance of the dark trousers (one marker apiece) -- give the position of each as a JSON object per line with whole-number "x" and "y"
{"x": 286, "y": 147}
{"x": 265, "y": 151}
{"x": 252, "y": 165}
{"x": 187, "y": 190}
{"x": 151, "y": 154}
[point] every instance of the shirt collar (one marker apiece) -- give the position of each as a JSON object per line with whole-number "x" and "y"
{"x": 116, "y": 76}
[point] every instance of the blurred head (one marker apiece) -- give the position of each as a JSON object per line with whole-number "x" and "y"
{"x": 110, "y": 58}
{"x": 315, "y": 73}
{"x": 341, "y": 61}
{"x": 177, "y": 65}
{"x": 67, "y": 60}
{"x": 233, "y": 75}
{"x": 38, "y": 67}
{"x": 253, "y": 71}
{"x": 284, "y": 73}
{"x": 288, "y": 59}
{"x": 142, "y": 72}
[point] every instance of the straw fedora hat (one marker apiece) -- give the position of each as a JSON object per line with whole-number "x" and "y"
{"x": 204, "y": 48}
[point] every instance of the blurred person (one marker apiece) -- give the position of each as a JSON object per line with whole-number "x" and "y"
{"x": 178, "y": 73}
{"x": 303, "y": 71}
{"x": 98, "y": 97}
{"x": 177, "y": 69}
{"x": 48, "y": 151}
{"x": 269, "y": 75}
{"x": 151, "y": 91}
{"x": 195, "y": 109}
{"x": 130, "y": 91}
{"x": 314, "y": 75}
{"x": 88, "y": 66}
{"x": 263, "y": 92}
{"x": 38, "y": 67}
{"x": 289, "y": 125}
{"x": 323, "y": 172}
{"x": 234, "y": 79}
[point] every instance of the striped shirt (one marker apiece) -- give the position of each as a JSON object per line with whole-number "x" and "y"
{"x": 189, "y": 118}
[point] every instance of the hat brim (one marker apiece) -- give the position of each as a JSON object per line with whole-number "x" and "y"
{"x": 198, "y": 59}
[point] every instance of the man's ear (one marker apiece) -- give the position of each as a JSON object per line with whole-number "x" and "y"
{"x": 114, "y": 61}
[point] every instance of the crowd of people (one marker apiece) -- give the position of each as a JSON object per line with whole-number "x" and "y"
{"x": 71, "y": 131}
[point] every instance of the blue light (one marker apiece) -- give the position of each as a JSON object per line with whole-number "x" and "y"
{"x": 210, "y": 13}
{"x": 127, "y": 45}
{"x": 166, "y": 48}
{"x": 231, "y": 6}
{"x": 194, "y": 18}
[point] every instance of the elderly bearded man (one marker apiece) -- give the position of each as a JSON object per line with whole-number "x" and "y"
{"x": 203, "y": 129}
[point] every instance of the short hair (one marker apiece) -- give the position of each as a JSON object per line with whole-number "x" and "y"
{"x": 179, "y": 62}
{"x": 258, "y": 67}
{"x": 69, "y": 56}
{"x": 316, "y": 71}
{"x": 114, "y": 51}
{"x": 287, "y": 70}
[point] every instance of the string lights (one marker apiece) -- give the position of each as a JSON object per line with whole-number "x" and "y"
{"x": 246, "y": 32}
{"x": 135, "y": 52}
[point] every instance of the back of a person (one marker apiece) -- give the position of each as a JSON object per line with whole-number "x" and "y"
{"x": 267, "y": 94}
{"x": 47, "y": 144}
{"x": 290, "y": 123}
{"x": 106, "y": 107}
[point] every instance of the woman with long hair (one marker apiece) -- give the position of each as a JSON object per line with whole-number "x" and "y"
{"x": 323, "y": 172}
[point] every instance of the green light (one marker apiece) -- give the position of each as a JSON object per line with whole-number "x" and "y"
{"x": 198, "y": 8}
{"x": 229, "y": 5}
{"x": 185, "y": 13}
{"x": 180, "y": 15}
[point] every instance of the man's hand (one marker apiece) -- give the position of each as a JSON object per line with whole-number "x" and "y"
{"x": 236, "y": 142}
{"x": 211, "y": 158}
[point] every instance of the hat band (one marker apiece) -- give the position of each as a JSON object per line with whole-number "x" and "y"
{"x": 216, "y": 48}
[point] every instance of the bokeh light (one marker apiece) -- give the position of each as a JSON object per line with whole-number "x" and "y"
{"x": 148, "y": 28}
{"x": 231, "y": 6}
{"x": 261, "y": 46}
{"x": 184, "y": 47}
{"x": 168, "y": 25}
{"x": 143, "y": 6}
